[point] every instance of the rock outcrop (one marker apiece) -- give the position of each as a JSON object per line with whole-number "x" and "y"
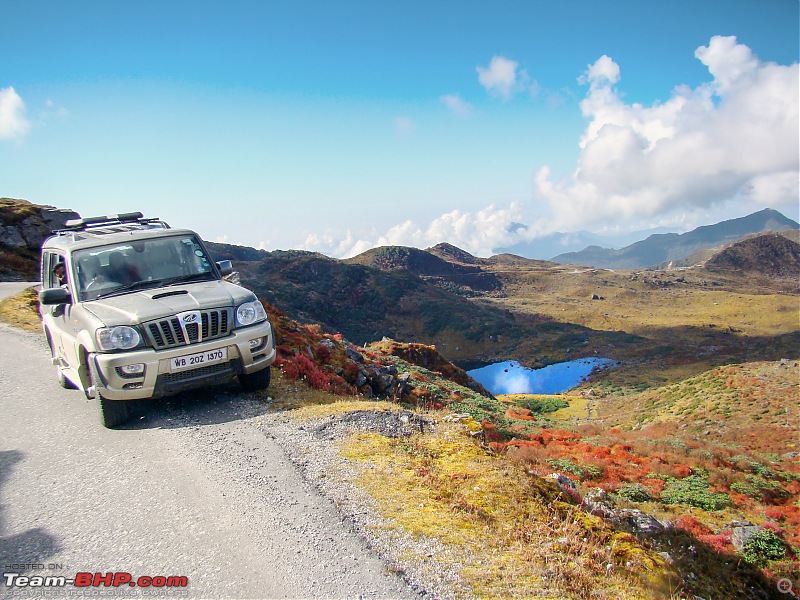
{"x": 23, "y": 228}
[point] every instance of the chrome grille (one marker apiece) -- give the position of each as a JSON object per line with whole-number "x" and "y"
{"x": 168, "y": 333}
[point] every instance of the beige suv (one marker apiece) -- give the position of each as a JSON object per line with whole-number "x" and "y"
{"x": 134, "y": 309}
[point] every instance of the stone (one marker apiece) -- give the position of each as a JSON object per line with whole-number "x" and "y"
{"x": 742, "y": 534}
{"x": 639, "y": 522}
{"x": 562, "y": 481}
{"x": 598, "y": 502}
{"x": 328, "y": 343}
{"x": 354, "y": 355}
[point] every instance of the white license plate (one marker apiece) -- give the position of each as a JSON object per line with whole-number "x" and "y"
{"x": 201, "y": 359}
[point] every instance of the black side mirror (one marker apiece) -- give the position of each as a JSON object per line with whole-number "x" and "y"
{"x": 54, "y": 296}
{"x": 225, "y": 267}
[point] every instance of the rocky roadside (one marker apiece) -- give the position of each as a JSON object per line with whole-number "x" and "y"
{"x": 313, "y": 448}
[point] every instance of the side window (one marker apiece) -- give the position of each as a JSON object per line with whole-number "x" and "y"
{"x": 54, "y": 270}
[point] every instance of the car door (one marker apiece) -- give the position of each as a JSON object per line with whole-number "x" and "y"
{"x": 61, "y": 328}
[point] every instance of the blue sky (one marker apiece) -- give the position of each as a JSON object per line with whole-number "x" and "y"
{"x": 335, "y": 126}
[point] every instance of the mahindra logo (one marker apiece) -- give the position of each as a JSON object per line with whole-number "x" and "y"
{"x": 190, "y": 324}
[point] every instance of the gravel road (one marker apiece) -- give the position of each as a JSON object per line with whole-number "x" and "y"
{"x": 200, "y": 486}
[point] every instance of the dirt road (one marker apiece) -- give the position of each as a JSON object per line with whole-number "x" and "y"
{"x": 191, "y": 489}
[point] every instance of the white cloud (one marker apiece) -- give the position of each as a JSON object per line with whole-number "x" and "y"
{"x": 725, "y": 148}
{"x": 478, "y": 233}
{"x": 457, "y": 105}
{"x": 732, "y": 139}
{"x": 501, "y": 78}
{"x": 13, "y": 124}
{"x": 335, "y": 245}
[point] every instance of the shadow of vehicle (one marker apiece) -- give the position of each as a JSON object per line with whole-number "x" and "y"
{"x": 196, "y": 408}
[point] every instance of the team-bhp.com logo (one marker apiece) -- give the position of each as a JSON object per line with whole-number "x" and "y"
{"x": 86, "y": 580}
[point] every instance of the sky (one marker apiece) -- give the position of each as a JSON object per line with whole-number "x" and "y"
{"x": 340, "y": 125}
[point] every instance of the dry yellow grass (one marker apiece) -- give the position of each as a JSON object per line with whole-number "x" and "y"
{"x": 22, "y": 311}
{"x": 508, "y": 533}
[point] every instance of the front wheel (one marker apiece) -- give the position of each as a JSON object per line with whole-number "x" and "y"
{"x": 255, "y": 381}
{"x": 112, "y": 412}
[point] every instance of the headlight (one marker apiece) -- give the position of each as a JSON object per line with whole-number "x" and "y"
{"x": 249, "y": 313}
{"x": 118, "y": 338}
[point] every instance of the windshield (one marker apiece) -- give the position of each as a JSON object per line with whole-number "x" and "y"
{"x": 116, "y": 269}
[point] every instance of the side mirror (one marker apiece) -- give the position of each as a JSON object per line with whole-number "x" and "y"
{"x": 54, "y": 296}
{"x": 225, "y": 267}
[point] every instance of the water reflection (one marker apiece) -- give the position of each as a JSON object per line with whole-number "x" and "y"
{"x": 512, "y": 378}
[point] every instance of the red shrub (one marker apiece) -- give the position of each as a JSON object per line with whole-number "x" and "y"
{"x": 692, "y": 526}
{"x": 719, "y": 543}
{"x": 322, "y": 353}
{"x": 522, "y": 414}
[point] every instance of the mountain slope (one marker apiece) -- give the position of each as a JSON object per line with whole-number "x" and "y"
{"x": 445, "y": 266}
{"x": 367, "y": 303}
{"x": 662, "y": 248}
{"x": 772, "y": 255}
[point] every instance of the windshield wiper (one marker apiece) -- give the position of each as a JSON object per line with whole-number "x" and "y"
{"x": 184, "y": 279}
{"x": 138, "y": 285}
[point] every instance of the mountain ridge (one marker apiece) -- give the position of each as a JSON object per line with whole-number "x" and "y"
{"x": 662, "y": 248}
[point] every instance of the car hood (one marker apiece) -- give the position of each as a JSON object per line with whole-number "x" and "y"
{"x": 148, "y": 305}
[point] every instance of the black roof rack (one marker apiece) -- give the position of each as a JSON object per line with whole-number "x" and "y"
{"x": 132, "y": 218}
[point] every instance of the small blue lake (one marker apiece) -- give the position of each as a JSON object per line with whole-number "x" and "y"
{"x": 510, "y": 377}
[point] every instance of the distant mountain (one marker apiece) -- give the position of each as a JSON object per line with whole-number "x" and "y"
{"x": 551, "y": 244}
{"x": 444, "y": 265}
{"x": 663, "y": 248}
{"x": 544, "y": 247}
{"x": 452, "y": 254}
{"x": 419, "y": 262}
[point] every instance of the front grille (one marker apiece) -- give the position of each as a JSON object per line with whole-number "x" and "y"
{"x": 169, "y": 333}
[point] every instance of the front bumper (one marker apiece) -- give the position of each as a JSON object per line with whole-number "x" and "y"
{"x": 159, "y": 379}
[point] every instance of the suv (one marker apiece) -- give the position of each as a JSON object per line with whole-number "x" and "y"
{"x": 134, "y": 309}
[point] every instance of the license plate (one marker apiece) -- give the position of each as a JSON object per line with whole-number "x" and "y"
{"x": 201, "y": 359}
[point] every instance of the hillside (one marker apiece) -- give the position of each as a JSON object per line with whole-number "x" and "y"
{"x": 772, "y": 255}
{"x": 367, "y": 303}
{"x": 663, "y": 248}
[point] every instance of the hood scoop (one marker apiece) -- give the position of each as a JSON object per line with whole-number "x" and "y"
{"x": 172, "y": 293}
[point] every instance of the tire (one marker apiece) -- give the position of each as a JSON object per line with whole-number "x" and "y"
{"x": 112, "y": 412}
{"x": 256, "y": 381}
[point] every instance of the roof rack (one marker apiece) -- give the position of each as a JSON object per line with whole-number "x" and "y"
{"x": 126, "y": 219}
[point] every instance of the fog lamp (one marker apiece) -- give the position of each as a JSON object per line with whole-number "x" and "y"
{"x": 137, "y": 369}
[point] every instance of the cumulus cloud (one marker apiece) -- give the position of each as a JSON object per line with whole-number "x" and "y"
{"x": 734, "y": 138}
{"x": 476, "y": 232}
{"x": 13, "y": 124}
{"x": 501, "y": 77}
{"x": 456, "y": 105}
